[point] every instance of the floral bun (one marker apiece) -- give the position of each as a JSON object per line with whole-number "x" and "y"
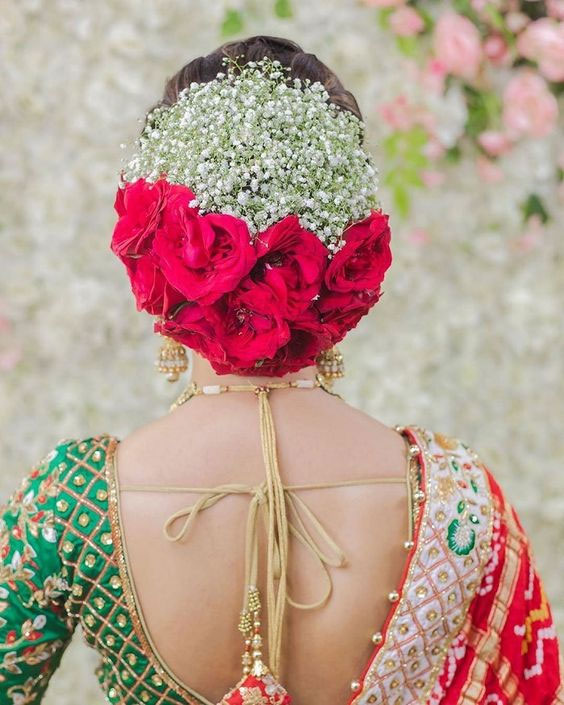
{"x": 245, "y": 252}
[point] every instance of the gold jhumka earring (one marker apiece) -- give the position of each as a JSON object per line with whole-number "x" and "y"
{"x": 172, "y": 359}
{"x": 330, "y": 366}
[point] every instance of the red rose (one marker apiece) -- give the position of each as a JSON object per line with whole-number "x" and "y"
{"x": 339, "y": 313}
{"x": 291, "y": 261}
{"x": 308, "y": 338}
{"x": 190, "y": 327}
{"x": 362, "y": 262}
{"x": 140, "y": 207}
{"x": 203, "y": 256}
{"x": 151, "y": 290}
{"x": 248, "y": 324}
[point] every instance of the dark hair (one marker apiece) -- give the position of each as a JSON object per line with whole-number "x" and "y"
{"x": 302, "y": 65}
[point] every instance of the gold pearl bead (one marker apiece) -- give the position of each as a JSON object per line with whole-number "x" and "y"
{"x": 408, "y": 545}
{"x": 377, "y": 638}
{"x": 355, "y": 685}
{"x": 393, "y": 596}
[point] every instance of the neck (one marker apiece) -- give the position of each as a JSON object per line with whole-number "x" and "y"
{"x": 203, "y": 374}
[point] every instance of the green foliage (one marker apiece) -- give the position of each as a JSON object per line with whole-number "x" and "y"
{"x": 232, "y": 22}
{"x": 283, "y": 8}
{"x": 484, "y": 110}
{"x": 407, "y": 45}
{"x": 404, "y": 151}
{"x": 533, "y": 205}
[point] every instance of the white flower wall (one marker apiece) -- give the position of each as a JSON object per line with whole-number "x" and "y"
{"x": 466, "y": 340}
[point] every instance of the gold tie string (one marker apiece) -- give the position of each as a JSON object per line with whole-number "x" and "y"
{"x": 275, "y": 502}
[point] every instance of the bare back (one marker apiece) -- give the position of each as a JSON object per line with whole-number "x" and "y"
{"x": 190, "y": 592}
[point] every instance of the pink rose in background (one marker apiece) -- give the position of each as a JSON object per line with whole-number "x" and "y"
{"x": 203, "y": 256}
{"x": 397, "y": 113}
{"x": 457, "y": 45}
{"x": 543, "y": 41}
{"x": 433, "y": 76}
{"x": 497, "y": 50}
{"x": 529, "y": 108}
{"x": 494, "y": 142}
{"x": 555, "y": 8}
{"x": 516, "y": 21}
{"x": 432, "y": 177}
{"x": 433, "y": 149}
{"x": 488, "y": 170}
{"x": 384, "y": 3}
{"x": 406, "y": 22}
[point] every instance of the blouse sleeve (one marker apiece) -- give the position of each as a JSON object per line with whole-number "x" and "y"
{"x": 34, "y": 626}
{"x": 508, "y": 651}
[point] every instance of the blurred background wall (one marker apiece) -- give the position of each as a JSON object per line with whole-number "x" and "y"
{"x": 463, "y": 103}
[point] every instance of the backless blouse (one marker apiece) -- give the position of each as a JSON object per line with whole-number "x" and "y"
{"x": 470, "y": 621}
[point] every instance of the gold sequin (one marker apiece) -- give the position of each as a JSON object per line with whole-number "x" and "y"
{"x": 419, "y": 683}
{"x": 83, "y": 519}
{"x": 99, "y": 602}
{"x": 421, "y": 591}
{"x": 106, "y": 539}
{"x": 157, "y": 680}
{"x": 456, "y": 619}
{"x": 89, "y": 619}
{"x": 90, "y": 560}
{"x": 115, "y": 581}
{"x": 145, "y": 697}
{"x": 62, "y": 505}
{"x": 82, "y": 448}
{"x": 394, "y": 683}
{"x": 431, "y": 614}
{"x": 403, "y": 628}
{"x": 77, "y": 590}
{"x": 443, "y": 576}
{"x": 390, "y": 663}
{"x": 131, "y": 659}
{"x": 412, "y": 651}
{"x": 112, "y": 692}
{"x": 414, "y": 666}
{"x": 471, "y": 585}
{"x": 62, "y": 467}
{"x": 101, "y": 495}
{"x": 121, "y": 620}
{"x": 468, "y": 561}
{"x": 436, "y": 650}
{"x": 67, "y": 546}
{"x": 433, "y": 552}
{"x": 79, "y": 480}
{"x": 440, "y": 515}
{"x": 96, "y": 456}
{"x": 110, "y": 640}
{"x": 125, "y": 675}
{"x": 452, "y": 597}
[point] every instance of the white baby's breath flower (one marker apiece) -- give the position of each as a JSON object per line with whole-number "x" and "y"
{"x": 254, "y": 144}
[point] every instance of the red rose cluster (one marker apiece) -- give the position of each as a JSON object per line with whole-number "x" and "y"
{"x": 265, "y": 306}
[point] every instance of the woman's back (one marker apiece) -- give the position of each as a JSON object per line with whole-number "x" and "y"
{"x": 190, "y": 591}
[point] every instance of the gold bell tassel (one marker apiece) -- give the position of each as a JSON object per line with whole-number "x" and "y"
{"x": 172, "y": 359}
